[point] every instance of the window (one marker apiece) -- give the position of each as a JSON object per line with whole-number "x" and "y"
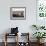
{"x": 41, "y": 8}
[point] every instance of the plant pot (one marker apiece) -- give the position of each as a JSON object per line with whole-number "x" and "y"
{"x": 40, "y": 41}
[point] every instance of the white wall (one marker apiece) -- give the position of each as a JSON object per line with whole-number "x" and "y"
{"x": 24, "y": 25}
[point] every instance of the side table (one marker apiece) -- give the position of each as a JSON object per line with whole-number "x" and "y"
{"x": 8, "y": 34}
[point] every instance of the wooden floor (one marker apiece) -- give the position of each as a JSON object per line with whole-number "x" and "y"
{"x": 13, "y": 44}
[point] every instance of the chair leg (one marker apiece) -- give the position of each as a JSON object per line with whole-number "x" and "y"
{"x": 5, "y": 43}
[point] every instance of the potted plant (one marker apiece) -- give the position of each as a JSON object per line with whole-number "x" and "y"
{"x": 35, "y": 26}
{"x": 39, "y": 35}
{"x": 38, "y": 27}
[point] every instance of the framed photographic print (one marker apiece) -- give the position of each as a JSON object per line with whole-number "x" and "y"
{"x": 17, "y": 13}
